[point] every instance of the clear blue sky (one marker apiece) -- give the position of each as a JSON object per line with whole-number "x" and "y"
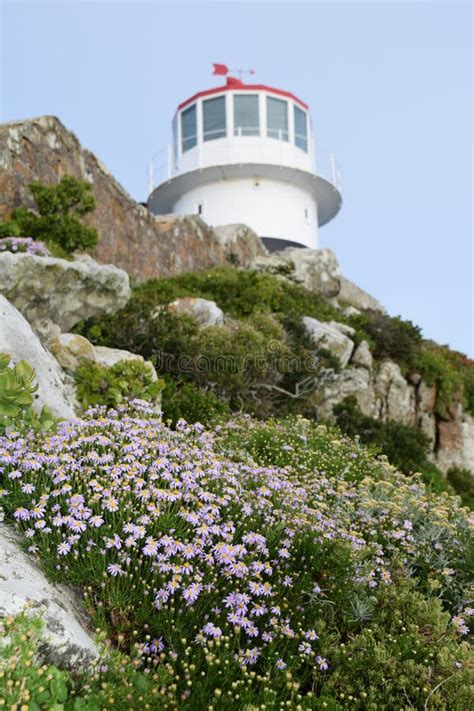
{"x": 389, "y": 84}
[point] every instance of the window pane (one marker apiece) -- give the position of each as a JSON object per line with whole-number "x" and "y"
{"x": 188, "y": 128}
{"x": 246, "y": 121}
{"x": 277, "y": 119}
{"x": 214, "y": 118}
{"x": 301, "y": 130}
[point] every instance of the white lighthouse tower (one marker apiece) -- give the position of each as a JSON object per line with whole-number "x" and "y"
{"x": 244, "y": 153}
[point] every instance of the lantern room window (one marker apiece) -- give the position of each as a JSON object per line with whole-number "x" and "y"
{"x": 301, "y": 128}
{"x": 246, "y": 118}
{"x": 214, "y": 118}
{"x": 277, "y": 119}
{"x": 188, "y": 128}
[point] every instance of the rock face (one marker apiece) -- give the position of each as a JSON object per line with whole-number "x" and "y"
{"x": 384, "y": 394}
{"x": 68, "y": 643}
{"x": 60, "y": 291}
{"x": 130, "y": 236}
{"x": 316, "y": 269}
{"x": 18, "y": 340}
{"x": 206, "y": 313}
{"x": 325, "y": 335}
{"x": 241, "y": 244}
{"x": 353, "y": 295}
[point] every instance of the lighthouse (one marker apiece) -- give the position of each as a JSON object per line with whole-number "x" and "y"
{"x": 244, "y": 153}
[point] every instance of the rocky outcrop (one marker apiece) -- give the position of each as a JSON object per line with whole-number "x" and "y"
{"x": 383, "y": 393}
{"x": 70, "y": 350}
{"x": 49, "y": 290}
{"x": 315, "y": 269}
{"x": 18, "y": 340}
{"x": 240, "y": 243}
{"x": 131, "y": 237}
{"x": 352, "y": 295}
{"x": 206, "y": 313}
{"x": 67, "y": 641}
{"x": 330, "y": 337}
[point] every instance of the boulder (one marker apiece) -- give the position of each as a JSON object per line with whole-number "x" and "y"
{"x": 130, "y": 237}
{"x": 456, "y": 444}
{"x": 396, "y": 398}
{"x": 352, "y": 295}
{"x": 111, "y": 356}
{"x": 18, "y": 340}
{"x": 206, "y": 312}
{"x": 240, "y": 243}
{"x": 62, "y": 291}
{"x": 326, "y": 336}
{"x": 67, "y": 641}
{"x": 352, "y": 381}
{"x": 362, "y": 356}
{"x": 70, "y": 349}
{"x": 316, "y": 269}
{"x": 343, "y": 328}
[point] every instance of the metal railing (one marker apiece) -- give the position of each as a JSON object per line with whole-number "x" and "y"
{"x": 166, "y": 164}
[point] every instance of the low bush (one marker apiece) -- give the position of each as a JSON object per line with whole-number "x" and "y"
{"x": 17, "y": 388}
{"x": 182, "y": 399}
{"x": 128, "y": 379}
{"x": 247, "y": 582}
{"x": 390, "y": 337}
{"x": 405, "y": 447}
{"x": 26, "y": 682}
{"x": 462, "y": 482}
{"x": 438, "y": 367}
{"x": 57, "y": 220}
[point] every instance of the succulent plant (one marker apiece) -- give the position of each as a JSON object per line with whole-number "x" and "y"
{"x": 17, "y": 388}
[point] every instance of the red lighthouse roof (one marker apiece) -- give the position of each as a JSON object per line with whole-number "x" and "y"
{"x": 233, "y": 83}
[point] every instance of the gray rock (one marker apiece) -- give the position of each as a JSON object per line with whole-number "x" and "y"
{"x": 352, "y": 381}
{"x": 343, "y": 328}
{"x": 67, "y": 641}
{"x": 396, "y": 397}
{"x": 354, "y": 296}
{"x": 324, "y": 335}
{"x": 362, "y": 356}
{"x": 206, "y": 312}
{"x": 351, "y": 311}
{"x": 70, "y": 349}
{"x": 18, "y": 340}
{"x": 316, "y": 269}
{"x": 63, "y": 292}
{"x": 241, "y": 244}
{"x": 456, "y": 444}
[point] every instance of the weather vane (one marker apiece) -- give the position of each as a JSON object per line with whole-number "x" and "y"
{"x": 223, "y": 70}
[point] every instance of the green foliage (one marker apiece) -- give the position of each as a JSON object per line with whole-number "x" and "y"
{"x": 390, "y": 337}
{"x": 58, "y": 223}
{"x": 462, "y": 481}
{"x": 438, "y": 367}
{"x": 125, "y": 380}
{"x": 26, "y": 682}
{"x": 182, "y": 399}
{"x": 405, "y": 447}
{"x": 468, "y": 378}
{"x": 17, "y": 389}
{"x": 9, "y": 228}
{"x": 404, "y": 658}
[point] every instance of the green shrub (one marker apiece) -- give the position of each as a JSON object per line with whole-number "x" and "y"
{"x": 26, "y": 682}
{"x": 182, "y": 399}
{"x": 125, "y": 380}
{"x": 9, "y": 228}
{"x": 17, "y": 389}
{"x": 468, "y": 387}
{"x": 462, "y": 481}
{"x": 390, "y": 337}
{"x": 58, "y": 223}
{"x": 436, "y": 366}
{"x": 405, "y": 447}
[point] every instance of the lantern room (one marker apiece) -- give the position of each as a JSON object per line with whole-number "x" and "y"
{"x": 244, "y": 153}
